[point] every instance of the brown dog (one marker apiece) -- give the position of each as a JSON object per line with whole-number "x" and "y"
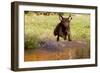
{"x": 63, "y": 28}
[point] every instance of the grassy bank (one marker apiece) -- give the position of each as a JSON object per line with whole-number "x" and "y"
{"x": 40, "y": 27}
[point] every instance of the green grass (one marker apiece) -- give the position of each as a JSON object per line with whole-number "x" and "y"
{"x": 41, "y": 27}
{"x": 80, "y": 27}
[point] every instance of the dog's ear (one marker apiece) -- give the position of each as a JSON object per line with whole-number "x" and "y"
{"x": 60, "y": 17}
{"x": 70, "y": 17}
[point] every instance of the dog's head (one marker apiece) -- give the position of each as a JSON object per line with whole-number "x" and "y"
{"x": 65, "y": 21}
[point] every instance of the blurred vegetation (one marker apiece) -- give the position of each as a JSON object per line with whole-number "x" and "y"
{"x": 40, "y": 26}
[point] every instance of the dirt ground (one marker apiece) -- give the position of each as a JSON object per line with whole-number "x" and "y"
{"x": 53, "y": 50}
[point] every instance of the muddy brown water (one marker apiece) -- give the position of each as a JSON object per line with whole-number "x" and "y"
{"x": 63, "y": 50}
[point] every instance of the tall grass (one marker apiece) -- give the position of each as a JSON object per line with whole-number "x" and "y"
{"x": 38, "y": 28}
